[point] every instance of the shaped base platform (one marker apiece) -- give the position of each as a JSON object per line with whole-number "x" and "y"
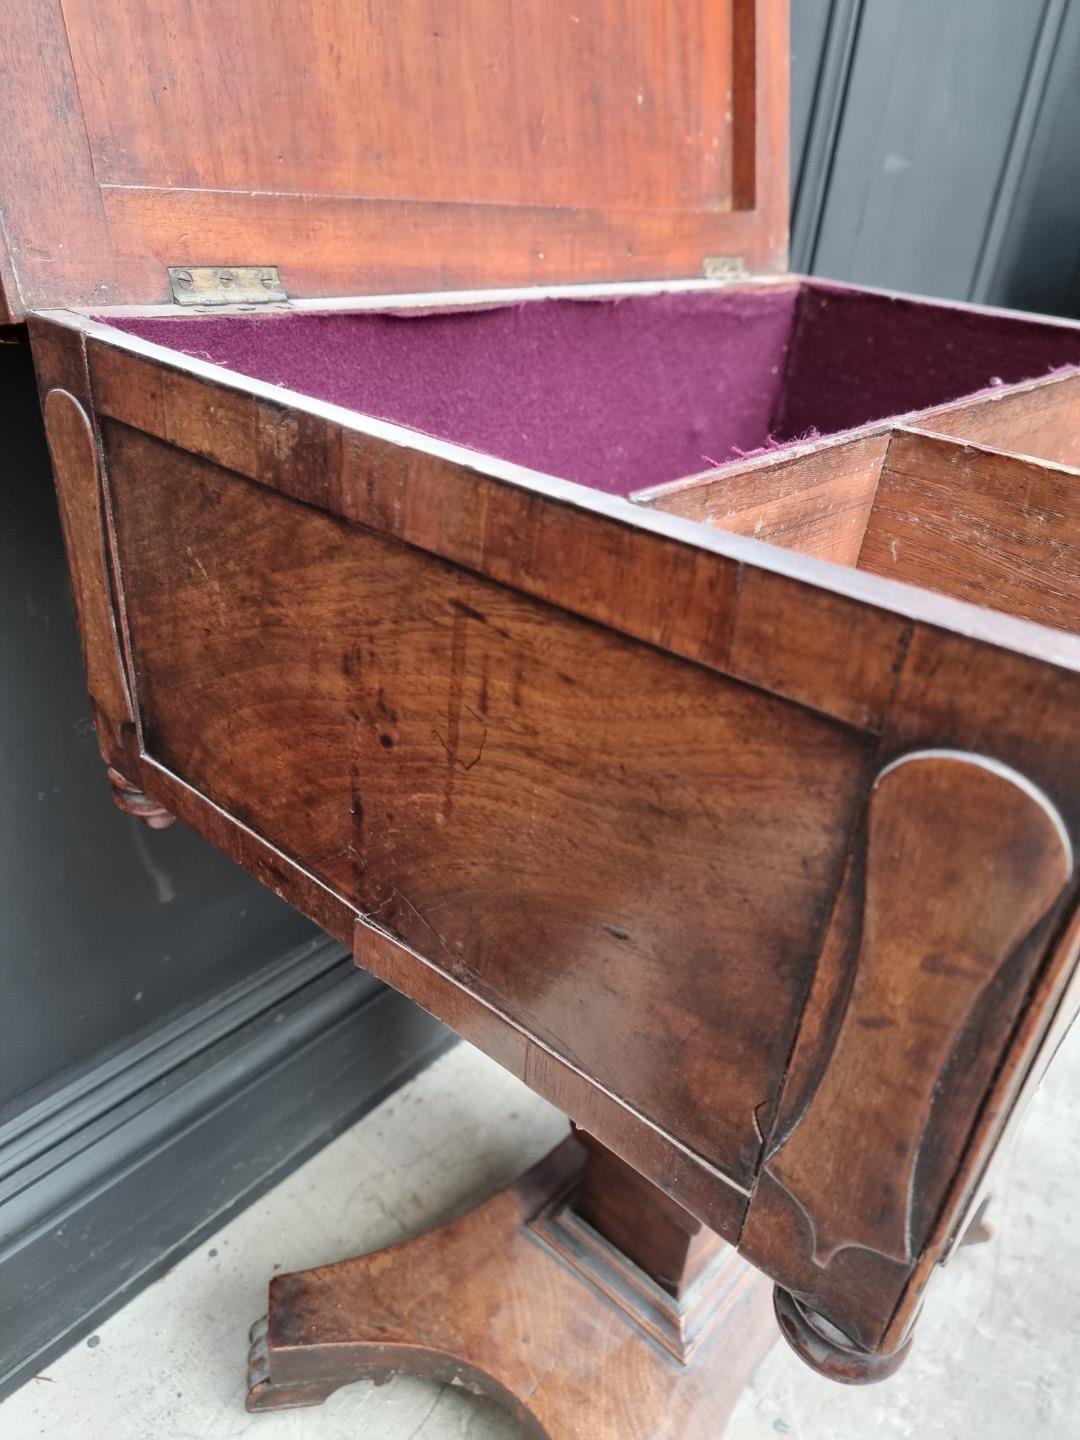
{"x": 521, "y": 1301}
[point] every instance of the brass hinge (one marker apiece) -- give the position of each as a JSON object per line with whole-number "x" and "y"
{"x": 226, "y": 284}
{"x": 724, "y": 267}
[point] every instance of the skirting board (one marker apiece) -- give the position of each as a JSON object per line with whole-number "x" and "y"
{"x": 108, "y": 1182}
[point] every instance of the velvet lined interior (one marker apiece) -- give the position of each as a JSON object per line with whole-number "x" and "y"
{"x": 626, "y": 393}
{"x": 856, "y": 357}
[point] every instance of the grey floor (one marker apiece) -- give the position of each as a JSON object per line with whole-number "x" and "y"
{"x": 996, "y": 1356}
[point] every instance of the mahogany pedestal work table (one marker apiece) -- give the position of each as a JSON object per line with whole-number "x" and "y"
{"x": 672, "y": 685}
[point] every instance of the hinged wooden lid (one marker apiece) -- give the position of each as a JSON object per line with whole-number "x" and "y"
{"x": 387, "y": 146}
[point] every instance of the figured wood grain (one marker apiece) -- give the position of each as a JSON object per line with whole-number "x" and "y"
{"x": 999, "y": 530}
{"x": 1041, "y": 419}
{"x": 612, "y": 866}
{"x": 816, "y": 502}
{"x": 383, "y": 147}
{"x": 568, "y": 822}
{"x": 698, "y": 1187}
{"x": 228, "y": 616}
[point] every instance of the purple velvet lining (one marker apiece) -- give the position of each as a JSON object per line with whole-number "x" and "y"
{"x": 616, "y": 394}
{"x": 858, "y": 357}
{"x": 625, "y": 394}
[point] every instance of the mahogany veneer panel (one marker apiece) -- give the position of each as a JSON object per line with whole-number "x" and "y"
{"x": 573, "y": 553}
{"x": 546, "y": 811}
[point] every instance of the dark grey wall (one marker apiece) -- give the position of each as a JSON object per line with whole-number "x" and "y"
{"x": 936, "y": 147}
{"x": 172, "y": 1038}
{"x": 106, "y": 927}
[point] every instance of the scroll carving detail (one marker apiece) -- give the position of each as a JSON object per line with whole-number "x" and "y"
{"x": 73, "y": 450}
{"x": 963, "y": 859}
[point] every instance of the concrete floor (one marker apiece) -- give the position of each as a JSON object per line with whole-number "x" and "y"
{"x": 996, "y": 1356}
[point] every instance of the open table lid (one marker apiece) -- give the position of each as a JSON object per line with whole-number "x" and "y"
{"x": 391, "y": 146}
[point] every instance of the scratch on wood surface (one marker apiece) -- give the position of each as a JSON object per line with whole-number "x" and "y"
{"x": 369, "y": 918}
{"x": 454, "y": 756}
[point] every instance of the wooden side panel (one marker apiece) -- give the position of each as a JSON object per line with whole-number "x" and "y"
{"x": 817, "y": 502}
{"x": 826, "y": 650}
{"x": 998, "y": 530}
{"x": 629, "y": 856}
{"x": 1041, "y": 419}
{"x": 940, "y": 927}
{"x": 661, "y": 1158}
{"x": 218, "y": 634}
{"x": 610, "y": 858}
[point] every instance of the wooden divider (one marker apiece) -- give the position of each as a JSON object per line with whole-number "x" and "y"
{"x": 1041, "y": 419}
{"x": 816, "y": 501}
{"x": 819, "y": 498}
{"x": 982, "y": 525}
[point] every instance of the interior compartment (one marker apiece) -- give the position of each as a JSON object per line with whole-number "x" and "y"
{"x": 981, "y": 525}
{"x": 626, "y": 393}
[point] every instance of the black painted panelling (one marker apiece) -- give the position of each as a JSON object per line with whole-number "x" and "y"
{"x": 132, "y": 1165}
{"x": 106, "y": 928}
{"x": 934, "y": 94}
{"x": 809, "y": 32}
{"x": 1037, "y": 261}
{"x": 823, "y": 34}
{"x": 935, "y": 147}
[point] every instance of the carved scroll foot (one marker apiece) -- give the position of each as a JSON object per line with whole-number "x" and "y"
{"x": 264, "y": 1393}
{"x": 487, "y": 1303}
{"x": 827, "y": 1349}
{"x": 133, "y": 801}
